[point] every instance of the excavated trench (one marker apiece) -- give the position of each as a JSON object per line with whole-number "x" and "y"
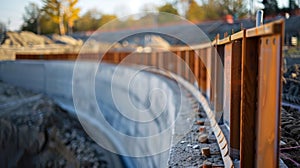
{"x": 57, "y": 138}
{"x": 60, "y": 139}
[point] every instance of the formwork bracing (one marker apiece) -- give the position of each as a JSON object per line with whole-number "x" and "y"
{"x": 240, "y": 78}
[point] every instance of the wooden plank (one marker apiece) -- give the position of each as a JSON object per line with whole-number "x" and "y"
{"x": 208, "y": 72}
{"x": 225, "y": 40}
{"x": 191, "y": 66}
{"x": 232, "y": 94}
{"x": 116, "y": 58}
{"x": 196, "y": 66}
{"x": 218, "y": 84}
{"x": 154, "y": 59}
{"x": 213, "y": 76}
{"x": 237, "y": 35}
{"x": 266, "y": 29}
{"x": 178, "y": 53}
{"x": 160, "y": 61}
{"x": 235, "y": 103}
{"x": 248, "y": 104}
{"x": 269, "y": 91}
{"x": 186, "y": 66}
{"x": 227, "y": 82}
{"x": 203, "y": 76}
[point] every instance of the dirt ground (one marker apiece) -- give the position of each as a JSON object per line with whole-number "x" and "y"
{"x": 34, "y": 132}
{"x": 290, "y": 118}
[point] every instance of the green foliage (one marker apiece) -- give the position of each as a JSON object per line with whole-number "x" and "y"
{"x": 235, "y": 8}
{"x": 54, "y": 9}
{"x": 195, "y": 12}
{"x": 71, "y": 14}
{"x": 105, "y": 18}
{"x": 89, "y": 21}
{"x": 30, "y": 18}
{"x": 92, "y": 20}
{"x": 62, "y": 12}
{"x": 168, "y": 8}
{"x": 212, "y": 10}
{"x": 47, "y": 26}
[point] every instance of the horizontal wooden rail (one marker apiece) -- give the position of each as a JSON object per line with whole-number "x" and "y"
{"x": 240, "y": 76}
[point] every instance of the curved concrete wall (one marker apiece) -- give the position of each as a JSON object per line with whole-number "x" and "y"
{"x": 54, "y": 78}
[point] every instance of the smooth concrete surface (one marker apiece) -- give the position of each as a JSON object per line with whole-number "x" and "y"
{"x": 132, "y": 103}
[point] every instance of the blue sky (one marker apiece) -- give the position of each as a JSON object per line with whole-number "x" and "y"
{"x": 11, "y": 11}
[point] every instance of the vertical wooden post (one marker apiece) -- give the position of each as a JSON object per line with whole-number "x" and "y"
{"x": 218, "y": 83}
{"x": 191, "y": 65}
{"x": 153, "y": 58}
{"x": 269, "y": 91}
{"x": 196, "y": 66}
{"x": 186, "y": 66}
{"x": 213, "y": 76}
{"x": 232, "y": 93}
{"x": 203, "y": 70}
{"x": 249, "y": 100}
{"x": 208, "y": 72}
{"x": 116, "y": 57}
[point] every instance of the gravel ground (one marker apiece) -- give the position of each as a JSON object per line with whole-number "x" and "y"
{"x": 34, "y": 132}
{"x": 188, "y": 152}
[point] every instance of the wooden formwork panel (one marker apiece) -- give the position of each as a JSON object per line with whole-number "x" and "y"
{"x": 196, "y": 70}
{"x": 160, "y": 60}
{"x": 248, "y": 103}
{"x": 153, "y": 61}
{"x": 227, "y": 82}
{"x": 218, "y": 83}
{"x": 172, "y": 61}
{"x": 187, "y": 65}
{"x": 208, "y": 72}
{"x": 149, "y": 61}
{"x": 180, "y": 63}
{"x": 232, "y": 94}
{"x": 203, "y": 73}
{"x": 116, "y": 56}
{"x": 191, "y": 65}
{"x": 108, "y": 57}
{"x": 214, "y": 54}
{"x": 165, "y": 61}
{"x": 123, "y": 55}
{"x": 144, "y": 59}
{"x": 268, "y": 109}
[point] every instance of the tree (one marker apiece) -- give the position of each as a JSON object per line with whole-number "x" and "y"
{"x": 54, "y": 9}
{"x": 237, "y": 8}
{"x": 270, "y": 7}
{"x": 47, "y": 25}
{"x": 2, "y": 32}
{"x": 293, "y": 5}
{"x": 105, "y": 18}
{"x": 89, "y": 21}
{"x": 168, "y": 8}
{"x": 212, "y": 10}
{"x": 62, "y": 12}
{"x": 71, "y": 14}
{"x": 194, "y": 12}
{"x": 31, "y": 18}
